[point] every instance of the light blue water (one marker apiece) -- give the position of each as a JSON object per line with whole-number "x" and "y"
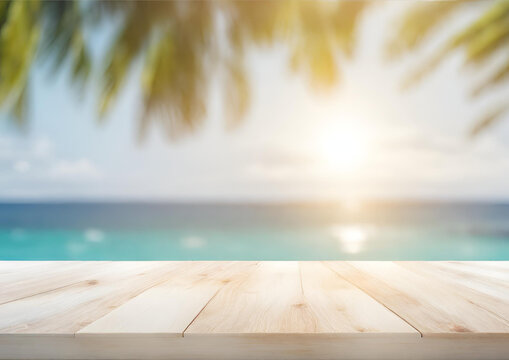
{"x": 376, "y": 231}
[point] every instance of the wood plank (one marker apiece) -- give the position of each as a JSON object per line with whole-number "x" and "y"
{"x": 269, "y": 300}
{"x": 340, "y": 307}
{"x": 255, "y": 347}
{"x": 10, "y": 270}
{"x": 274, "y": 299}
{"x": 280, "y": 310}
{"x": 500, "y": 266}
{"x": 12, "y": 267}
{"x": 494, "y": 270}
{"x": 431, "y": 306}
{"x": 468, "y": 277}
{"x": 466, "y": 288}
{"x": 68, "y": 309}
{"x": 168, "y": 308}
{"x": 39, "y": 277}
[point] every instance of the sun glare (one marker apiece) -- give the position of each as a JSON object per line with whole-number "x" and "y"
{"x": 351, "y": 238}
{"x": 344, "y": 148}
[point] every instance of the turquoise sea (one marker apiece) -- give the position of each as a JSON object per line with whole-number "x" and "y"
{"x": 166, "y": 231}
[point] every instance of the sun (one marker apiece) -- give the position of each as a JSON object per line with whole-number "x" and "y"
{"x": 343, "y": 148}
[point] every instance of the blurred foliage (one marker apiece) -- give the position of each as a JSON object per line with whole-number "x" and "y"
{"x": 178, "y": 46}
{"x": 486, "y": 37}
{"x": 19, "y": 37}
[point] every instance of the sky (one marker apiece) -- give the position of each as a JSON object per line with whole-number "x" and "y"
{"x": 364, "y": 139}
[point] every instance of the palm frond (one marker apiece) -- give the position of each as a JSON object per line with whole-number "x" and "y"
{"x": 488, "y": 120}
{"x": 480, "y": 40}
{"x": 173, "y": 43}
{"x": 63, "y": 38}
{"x": 500, "y": 75}
{"x": 18, "y": 43}
{"x": 174, "y": 74}
{"x": 236, "y": 93}
{"x": 488, "y": 42}
{"x": 418, "y": 24}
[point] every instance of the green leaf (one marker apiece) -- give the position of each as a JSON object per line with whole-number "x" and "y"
{"x": 19, "y": 38}
{"x": 488, "y": 120}
{"x": 236, "y": 93}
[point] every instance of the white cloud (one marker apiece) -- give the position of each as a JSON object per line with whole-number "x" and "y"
{"x": 82, "y": 169}
{"x": 21, "y": 166}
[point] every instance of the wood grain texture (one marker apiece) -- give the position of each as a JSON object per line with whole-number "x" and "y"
{"x": 492, "y": 271}
{"x": 267, "y": 300}
{"x": 340, "y": 307}
{"x": 249, "y": 310}
{"x": 488, "y": 286}
{"x": 67, "y": 309}
{"x": 255, "y": 347}
{"x": 288, "y": 297}
{"x": 429, "y": 304}
{"x": 13, "y": 267}
{"x": 169, "y": 307}
{"x": 38, "y": 277}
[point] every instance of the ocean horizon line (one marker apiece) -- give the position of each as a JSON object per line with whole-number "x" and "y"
{"x": 254, "y": 202}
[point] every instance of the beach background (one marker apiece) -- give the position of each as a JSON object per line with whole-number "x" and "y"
{"x": 267, "y": 130}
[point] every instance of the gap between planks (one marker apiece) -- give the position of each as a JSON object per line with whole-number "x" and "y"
{"x": 221, "y": 288}
{"x": 208, "y": 302}
{"x": 301, "y": 283}
{"x": 374, "y": 298}
{"x": 112, "y": 309}
{"x": 483, "y": 307}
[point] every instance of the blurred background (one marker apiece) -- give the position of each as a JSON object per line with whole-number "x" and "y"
{"x": 270, "y": 130}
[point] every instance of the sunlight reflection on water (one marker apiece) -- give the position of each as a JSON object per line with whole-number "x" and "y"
{"x": 254, "y": 232}
{"x": 193, "y": 242}
{"x": 94, "y": 235}
{"x": 352, "y": 238}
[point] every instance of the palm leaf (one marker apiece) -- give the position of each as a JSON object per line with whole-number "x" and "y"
{"x": 63, "y": 38}
{"x": 482, "y": 39}
{"x": 175, "y": 44}
{"x": 18, "y": 43}
{"x": 236, "y": 93}
{"x": 488, "y": 120}
{"x": 418, "y": 24}
{"x": 174, "y": 74}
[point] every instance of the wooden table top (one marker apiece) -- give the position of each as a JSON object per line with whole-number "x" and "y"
{"x": 287, "y": 310}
